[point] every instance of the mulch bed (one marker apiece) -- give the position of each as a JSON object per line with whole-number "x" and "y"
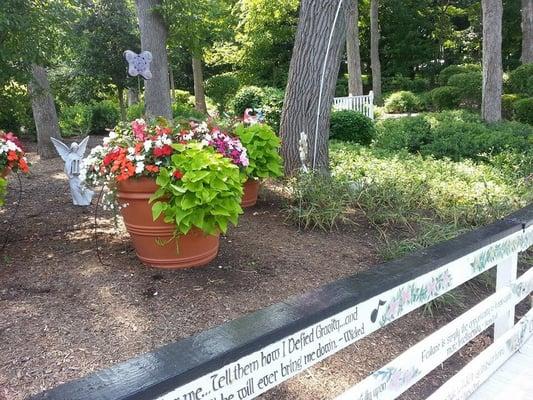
{"x": 65, "y": 314}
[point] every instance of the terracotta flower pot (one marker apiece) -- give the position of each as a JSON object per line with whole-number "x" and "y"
{"x": 5, "y": 172}
{"x": 154, "y": 241}
{"x": 251, "y": 190}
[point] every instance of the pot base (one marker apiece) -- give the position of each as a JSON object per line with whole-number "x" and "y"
{"x": 251, "y": 191}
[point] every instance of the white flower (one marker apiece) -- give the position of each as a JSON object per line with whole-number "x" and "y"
{"x": 139, "y": 157}
{"x": 147, "y": 145}
{"x": 131, "y": 150}
{"x": 112, "y": 135}
{"x": 139, "y": 167}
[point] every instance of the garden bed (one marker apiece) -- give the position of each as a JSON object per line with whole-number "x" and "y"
{"x": 65, "y": 314}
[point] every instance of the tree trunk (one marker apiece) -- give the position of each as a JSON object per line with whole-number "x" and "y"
{"x": 154, "y": 38}
{"x": 133, "y": 96}
{"x": 355, "y": 83}
{"x": 198, "y": 76}
{"x": 374, "y": 49}
{"x": 527, "y": 31}
{"x": 44, "y": 112}
{"x": 172, "y": 86}
{"x": 491, "y": 103}
{"x": 305, "y": 109}
{"x": 121, "y": 104}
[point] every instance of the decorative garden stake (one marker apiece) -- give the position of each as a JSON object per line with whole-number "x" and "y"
{"x": 302, "y": 148}
{"x": 139, "y": 64}
{"x": 75, "y": 170}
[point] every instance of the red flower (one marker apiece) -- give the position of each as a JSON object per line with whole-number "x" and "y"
{"x": 23, "y": 165}
{"x": 164, "y": 151}
{"x": 177, "y": 174}
{"x": 162, "y": 130}
{"x": 110, "y": 157}
{"x": 12, "y": 156}
{"x": 152, "y": 168}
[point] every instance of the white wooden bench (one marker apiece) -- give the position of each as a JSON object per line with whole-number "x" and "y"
{"x": 251, "y": 355}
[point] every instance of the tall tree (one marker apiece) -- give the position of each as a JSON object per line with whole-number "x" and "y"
{"x": 355, "y": 82}
{"x": 154, "y": 39}
{"x": 491, "y": 104}
{"x": 198, "y": 78}
{"x": 527, "y": 32}
{"x": 375, "y": 63}
{"x": 107, "y": 29}
{"x": 311, "y": 84}
{"x": 44, "y": 112}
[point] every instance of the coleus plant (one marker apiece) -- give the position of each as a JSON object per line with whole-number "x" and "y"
{"x": 197, "y": 168}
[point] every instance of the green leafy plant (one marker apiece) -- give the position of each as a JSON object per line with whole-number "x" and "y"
{"x": 3, "y": 190}
{"x": 523, "y": 110}
{"x": 262, "y": 146}
{"x": 272, "y": 104}
{"x": 351, "y": 126}
{"x": 247, "y": 97}
{"x": 207, "y": 194}
{"x": 445, "y": 97}
{"x": 135, "y": 111}
{"x": 508, "y": 101}
{"x": 221, "y": 88}
{"x": 521, "y": 80}
{"x": 450, "y": 70}
{"x": 402, "y": 102}
{"x": 75, "y": 120}
{"x": 468, "y": 85}
{"x": 104, "y": 115}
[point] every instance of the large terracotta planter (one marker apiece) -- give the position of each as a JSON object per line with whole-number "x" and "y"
{"x": 154, "y": 241}
{"x": 251, "y": 191}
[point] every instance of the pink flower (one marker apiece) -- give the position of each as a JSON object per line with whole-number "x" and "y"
{"x": 406, "y": 296}
{"x": 139, "y": 129}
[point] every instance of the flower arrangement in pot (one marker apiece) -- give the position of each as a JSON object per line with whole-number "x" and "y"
{"x": 176, "y": 190}
{"x": 12, "y": 158}
{"x": 262, "y": 146}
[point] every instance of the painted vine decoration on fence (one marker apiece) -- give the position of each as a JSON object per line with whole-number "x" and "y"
{"x": 416, "y": 293}
{"x": 395, "y": 378}
{"x": 502, "y": 250}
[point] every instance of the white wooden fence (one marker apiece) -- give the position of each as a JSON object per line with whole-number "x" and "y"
{"x": 249, "y": 356}
{"x": 362, "y": 104}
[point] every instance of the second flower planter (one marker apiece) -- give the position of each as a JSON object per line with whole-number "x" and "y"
{"x": 251, "y": 191}
{"x": 154, "y": 241}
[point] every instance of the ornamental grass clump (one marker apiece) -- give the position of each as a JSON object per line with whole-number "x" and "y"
{"x": 197, "y": 167}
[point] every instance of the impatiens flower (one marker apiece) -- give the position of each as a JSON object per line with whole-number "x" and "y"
{"x": 139, "y": 167}
{"x": 152, "y": 168}
{"x": 163, "y": 151}
{"x": 139, "y": 129}
{"x": 177, "y": 174}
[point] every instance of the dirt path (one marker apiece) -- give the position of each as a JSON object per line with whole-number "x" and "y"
{"x": 64, "y": 315}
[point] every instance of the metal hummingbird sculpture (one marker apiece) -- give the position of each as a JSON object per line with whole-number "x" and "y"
{"x": 75, "y": 170}
{"x": 139, "y": 64}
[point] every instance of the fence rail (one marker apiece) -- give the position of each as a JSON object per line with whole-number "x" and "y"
{"x": 248, "y": 356}
{"x": 362, "y": 104}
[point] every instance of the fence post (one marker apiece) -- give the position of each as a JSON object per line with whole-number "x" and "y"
{"x": 506, "y": 272}
{"x": 371, "y": 105}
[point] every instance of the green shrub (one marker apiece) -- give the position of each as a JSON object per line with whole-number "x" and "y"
{"x": 3, "y": 190}
{"x": 401, "y": 188}
{"x": 469, "y": 87}
{"x": 452, "y": 134}
{"x": 135, "y": 111}
{"x": 351, "y": 126}
{"x": 221, "y": 88}
{"x": 15, "y": 108}
{"x": 272, "y": 104}
{"x": 75, "y": 120}
{"x": 402, "y": 102}
{"x": 523, "y": 110}
{"x": 409, "y": 133}
{"x": 425, "y": 101}
{"x": 247, "y": 97}
{"x": 104, "y": 115}
{"x": 341, "y": 87}
{"x": 317, "y": 201}
{"x": 181, "y": 111}
{"x": 445, "y": 97}
{"x": 521, "y": 80}
{"x": 183, "y": 97}
{"x": 447, "y": 72}
{"x": 508, "y": 101}
{"x": 262, "y": 146}
{"x": 419, "y": 85}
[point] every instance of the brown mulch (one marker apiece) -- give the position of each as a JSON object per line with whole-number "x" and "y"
{"x": 64, "y": 314}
